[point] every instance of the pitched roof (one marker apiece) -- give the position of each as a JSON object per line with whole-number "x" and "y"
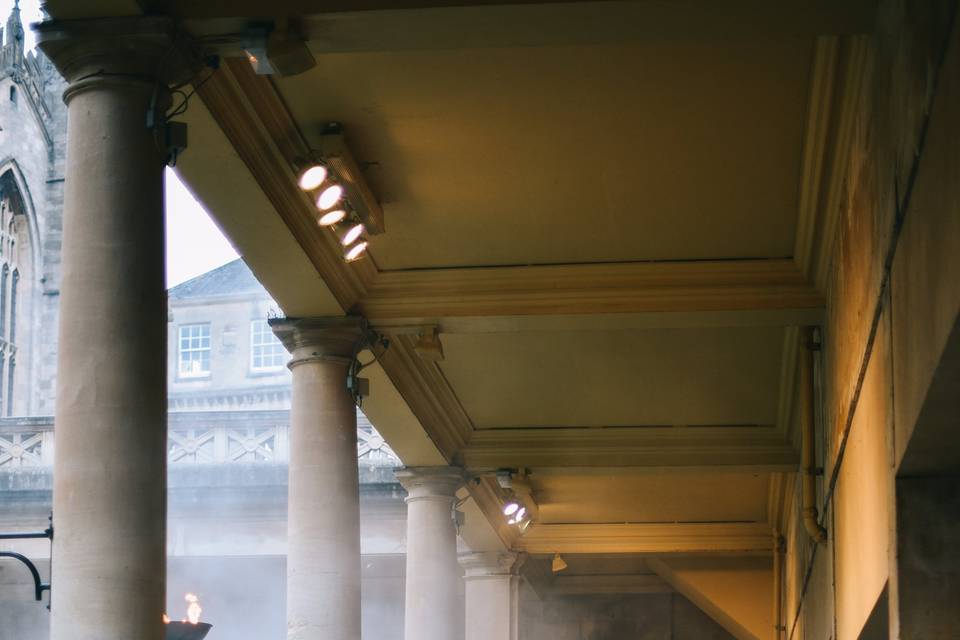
{"x": 230, "y": 279}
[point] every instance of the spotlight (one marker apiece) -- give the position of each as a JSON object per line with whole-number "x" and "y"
{"x": 521, "y": 514}
{"x": 511, "y": 508}
{"x": 348, "y": 232}
{"x": 558, "y": 564}
{"x": 312, "y": 177}
{"x": 331, "y": 218}
{"x": 329, "y": 197}
{"x": 356, "y": 251}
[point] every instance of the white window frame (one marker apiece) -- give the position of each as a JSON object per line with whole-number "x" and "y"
{"x": 181, "y": 373}
{"x": 257, "y": 330}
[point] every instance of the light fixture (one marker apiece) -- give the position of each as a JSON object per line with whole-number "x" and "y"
{"x": 349, "y": 232}
{"x": 525, "y": 525}
{"x": 329, "y": 197}
{"x": 331, "y": 218}
{"x": 429, "y": 347}
{"x": 511, "y": 507}
{"x": 355, "y": 252}
{"x": 558, "y": 564}
{"x": 312, "y": 176}
{"x": 277, "y": 49}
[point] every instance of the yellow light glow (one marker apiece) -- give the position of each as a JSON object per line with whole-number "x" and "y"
{"x": 331, "y": 218}
{"x": 329, "y": 197}
{"x": 312, "y": 177}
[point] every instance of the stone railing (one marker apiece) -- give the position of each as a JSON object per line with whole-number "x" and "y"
{"x": 195, "y": 437}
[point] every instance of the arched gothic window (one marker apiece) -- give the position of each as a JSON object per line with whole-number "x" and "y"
{"x": 15, "y": 265}
{"x": 4, "y": 276}
{"x": 13, "y": 311}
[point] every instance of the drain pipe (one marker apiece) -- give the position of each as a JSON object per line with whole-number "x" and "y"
{"x": 807, "y": 425}
{"x": 779, "y": 547}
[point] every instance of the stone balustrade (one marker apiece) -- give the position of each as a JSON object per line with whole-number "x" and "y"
{"x": 195, "y": 437}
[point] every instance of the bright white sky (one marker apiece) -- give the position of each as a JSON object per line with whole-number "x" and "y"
{"x": 194, "y": 243}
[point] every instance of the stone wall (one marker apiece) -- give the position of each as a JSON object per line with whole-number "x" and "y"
{"x": 893, "y": 299}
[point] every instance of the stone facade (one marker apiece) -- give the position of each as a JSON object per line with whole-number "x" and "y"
{"x": 32, "y": 152}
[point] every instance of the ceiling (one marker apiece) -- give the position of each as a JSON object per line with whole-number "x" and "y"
{"x": 608, "y": 211}
{"x": 651, "y": 162}
{"x": 604, "y": 152}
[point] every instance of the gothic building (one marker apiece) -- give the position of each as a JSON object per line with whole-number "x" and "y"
{"x": 32, "y": 147}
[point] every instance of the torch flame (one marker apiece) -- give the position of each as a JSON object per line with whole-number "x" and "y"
{"x": 193, "y": 608}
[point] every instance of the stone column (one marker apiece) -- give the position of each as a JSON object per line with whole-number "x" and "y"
{"x": 433, "y": 578}
{"x": 109, "y": 495}
{"x": 323, "y": 521}
{"x": 491, "y": 595}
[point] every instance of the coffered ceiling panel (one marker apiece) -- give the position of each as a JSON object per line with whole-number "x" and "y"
{"x": 725, "y": 376}
{"x": 659, "y": 149}
{"x": 640, "y": 497}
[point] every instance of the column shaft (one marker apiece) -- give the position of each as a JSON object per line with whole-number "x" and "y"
{"x": 109, "y": 492}
{"x": 432, "y": 607}
{"x": 323, "y": 522}
{"x": 491, "y": 596}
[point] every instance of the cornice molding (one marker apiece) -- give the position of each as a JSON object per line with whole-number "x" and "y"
{"x": 699, "y": 446}
{"x": 428, "y": 394}
{"x": 700, "y": 537}
{"x": 814, "y": 155}
{"x": 839, "y": 75}
{"x": 589, "y": 289}
{"x": 252, "y": 115}
{"x": 486, "y": 494}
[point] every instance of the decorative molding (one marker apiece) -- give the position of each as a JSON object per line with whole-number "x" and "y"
{"x": 787, "y": 388}
{"x": 254, "y": 118}
{"x": 428, "y": 394}
{"x": 857, "y": 65}
{"x": 632, "y": 287}
{"x": 699, "y": 537}
{"x": 814, "y": 155}
{"x": 486, "y": 494}
{"x": 695, "y": 446}
{"x": 839, "y": 74}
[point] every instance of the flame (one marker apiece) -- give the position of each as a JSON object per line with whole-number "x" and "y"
{"x": 193, "y": 608}
{"x": 166, "y": 619}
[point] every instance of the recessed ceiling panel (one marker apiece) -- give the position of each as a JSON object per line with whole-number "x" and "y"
{"x": 667, "y": 149}
{"x": 726, "y": 376}
{"x": 667, "y": 497}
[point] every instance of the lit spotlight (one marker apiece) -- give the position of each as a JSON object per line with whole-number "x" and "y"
{"x": 312, "y": 177}
{"x": 329, "y": 197}
{"x": 348, "y": 233}
{"x": 511, "y": 508}
{"x": 331, "y": 218}
{"x": 356, "y": 251}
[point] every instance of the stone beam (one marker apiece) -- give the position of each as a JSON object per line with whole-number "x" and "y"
{"x": 695, "y": 446}
{"x": 680, "y": 537}
{"x": 637, "y": 287}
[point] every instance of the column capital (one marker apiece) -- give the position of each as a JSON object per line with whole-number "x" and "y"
{"x": 310, "y": 339}
{"x": 490, "y": 564}
{"x": 430, "y": 483}
{"x": 145, "y": 49}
